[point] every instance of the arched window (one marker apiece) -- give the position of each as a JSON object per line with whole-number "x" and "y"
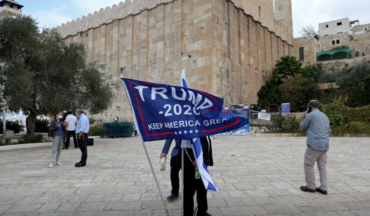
{"x": 357, "y": 54}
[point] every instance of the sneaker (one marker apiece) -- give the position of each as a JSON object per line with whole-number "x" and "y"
{"x": 172, "y": 197}
{"x": 306, "y": 189}
{"x": 321, "y": 191}
{"x": 51, "y": 165}
{"x": 59, "y": 163}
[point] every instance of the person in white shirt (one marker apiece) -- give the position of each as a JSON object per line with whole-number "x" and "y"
{"x": 70, "y": 124}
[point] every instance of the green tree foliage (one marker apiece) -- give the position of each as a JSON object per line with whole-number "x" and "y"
{"x": 328, "y": 78}
{"x": 269, "y": 95}
{"x": 347, "y": 120}
{"x": 42, "y": 125}
{"x": 43, "y": 75}
{"x": 10, "y": 125}
{"x": 298, "y": 90}
{"x": 286, "y": 67}
{"x": 313, "y": 71}
{"x": 356, "y": 82}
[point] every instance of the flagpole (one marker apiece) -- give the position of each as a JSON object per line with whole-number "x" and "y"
{"x": 182, "y": 181}
{"x": 156, "y": 180}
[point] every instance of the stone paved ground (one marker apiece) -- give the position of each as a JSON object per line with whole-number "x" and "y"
{"x": 255, "y": 176}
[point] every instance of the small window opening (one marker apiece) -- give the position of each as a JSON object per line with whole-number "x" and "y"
{"x": 339, "y": 23}
{"x": 87, "y": 34}
{"x": 326, "y": 26}
{"x": 338, "y": 41}
{"x": 301, "y": 53}
{"x": 259, "y": 10}
{"x": 366, "y": 29}
{"x": 357, "y": 54}
{"x": 333, "y": 42}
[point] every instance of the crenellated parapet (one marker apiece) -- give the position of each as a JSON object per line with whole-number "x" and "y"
{"x": 107, "y": 15}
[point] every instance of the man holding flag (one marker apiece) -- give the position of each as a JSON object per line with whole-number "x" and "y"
{"x": 171, "y": 112}
{"x": 193, "y": 173}
{"x": 192, "y": 179}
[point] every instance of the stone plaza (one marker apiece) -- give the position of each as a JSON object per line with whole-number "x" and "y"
{"x": 255, "y": 176}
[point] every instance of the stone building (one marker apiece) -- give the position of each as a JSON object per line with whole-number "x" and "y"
{"x": 335, "y": 41}
{"x": 361, "y": 40}
{"x": 339, "y": 42}
{"x": 305, "y": 49}
{"x": 228, "y": 47}
{"x": 10, "y": 8}
{"x": 336, "y": 26}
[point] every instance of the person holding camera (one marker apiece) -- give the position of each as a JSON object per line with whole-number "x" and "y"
{"x": 317, "y": 125}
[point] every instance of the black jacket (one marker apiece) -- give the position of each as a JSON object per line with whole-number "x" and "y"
{"x": 206, "y": 143}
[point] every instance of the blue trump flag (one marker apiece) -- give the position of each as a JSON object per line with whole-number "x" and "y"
{"x": 171, "y": 112}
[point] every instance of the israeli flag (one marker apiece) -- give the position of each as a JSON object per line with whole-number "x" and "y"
{"x": 198, "y": 152}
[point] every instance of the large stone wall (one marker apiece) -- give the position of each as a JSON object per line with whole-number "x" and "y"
{"x": 245, "y": 53}
{"x": 129, "y": 7}
{"x": 224, "y": 50}
{"x": 335, "y": 66}
{"x": 107, "y": 15}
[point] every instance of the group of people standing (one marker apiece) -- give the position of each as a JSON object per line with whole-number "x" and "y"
{"x": 62, "y": 127}
{"x": 315, "y": 122}
{"x": 318, "y": 130}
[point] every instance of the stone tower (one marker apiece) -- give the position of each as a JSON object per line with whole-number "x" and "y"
{"x": 10, "y": 8}
{"x": 283, "y": 13}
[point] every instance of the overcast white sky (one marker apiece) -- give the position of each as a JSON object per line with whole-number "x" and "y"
{"x": 51, "y": 13}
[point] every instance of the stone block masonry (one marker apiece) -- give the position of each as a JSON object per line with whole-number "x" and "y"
{"x": 224, "y": 50}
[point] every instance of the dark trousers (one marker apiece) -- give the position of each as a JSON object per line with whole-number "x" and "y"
{"x": 192, "y": 185}
{"x": 69, "y": 134}
{"x": 82, "y": 143}
{"x": 175, "y": 169}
